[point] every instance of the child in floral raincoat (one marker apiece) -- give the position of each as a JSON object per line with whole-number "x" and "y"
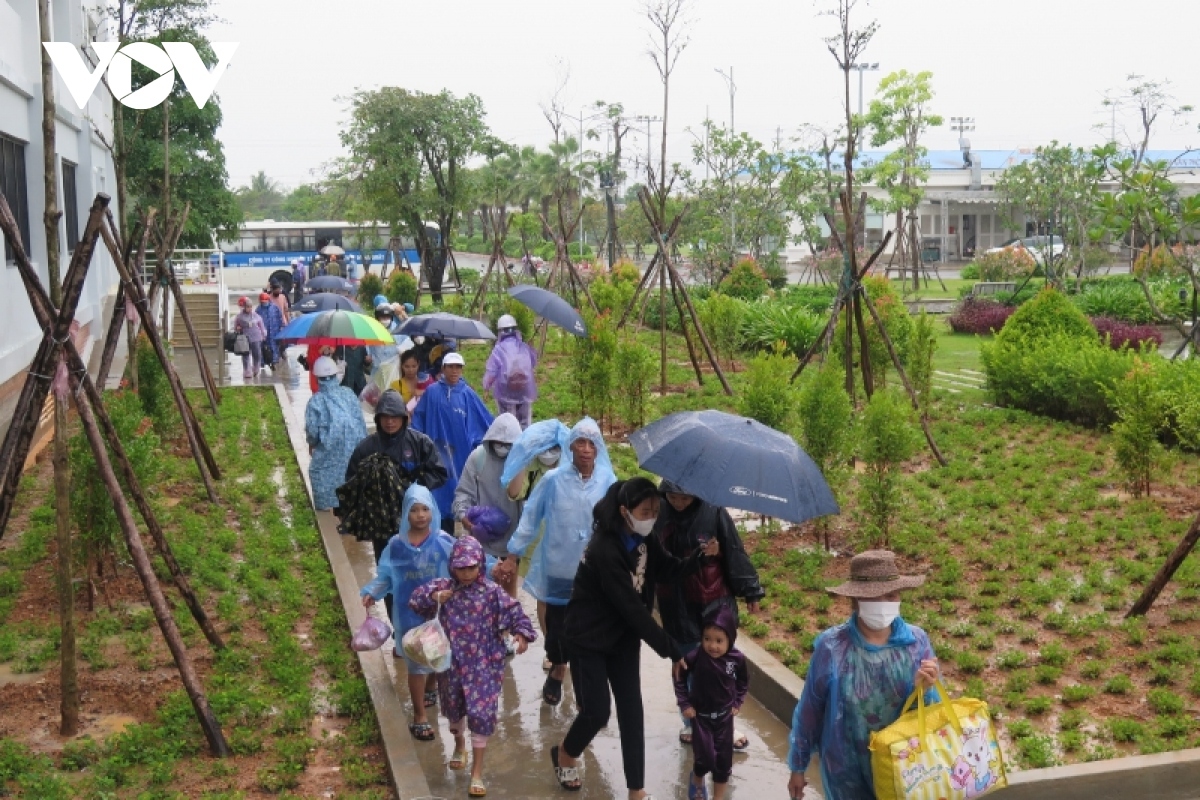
{"x": 476, "y": 613}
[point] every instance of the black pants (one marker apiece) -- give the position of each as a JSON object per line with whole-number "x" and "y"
{"x": 593, "y": 674}
{"x": 712, "y": 747}
{"x": 556, "y": 648}
{"x": 379, "y": 546}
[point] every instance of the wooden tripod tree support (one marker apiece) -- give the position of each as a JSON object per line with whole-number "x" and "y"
{"x": 497, "y": 261}
{"x": 205, "y": 462}
{"x": 670, "y": 281}
{"x": 852, "y": 293}
{"x": 167, "y": 241}
{"x": 58, "y": 346}
{"x": 1167, "y": 571}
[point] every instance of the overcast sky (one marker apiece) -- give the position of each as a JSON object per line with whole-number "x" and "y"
{"x": 1028, "y": 71}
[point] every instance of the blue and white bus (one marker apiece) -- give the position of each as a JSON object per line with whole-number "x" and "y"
{"x": 262, "y": 247}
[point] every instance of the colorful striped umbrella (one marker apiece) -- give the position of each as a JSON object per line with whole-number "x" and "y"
{"x": 334, "y": 328}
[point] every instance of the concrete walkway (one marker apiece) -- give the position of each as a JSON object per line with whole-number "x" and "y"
{"x": 518, "y": 764}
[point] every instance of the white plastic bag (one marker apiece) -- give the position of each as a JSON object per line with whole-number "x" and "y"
{"x": 428, "y": 645}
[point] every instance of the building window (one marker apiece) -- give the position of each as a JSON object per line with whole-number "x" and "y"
{"x": 70, "y": 205}
{"x": 12, "y": 186}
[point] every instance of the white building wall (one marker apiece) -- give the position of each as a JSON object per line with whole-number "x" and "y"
{"x": 21, "y": 119}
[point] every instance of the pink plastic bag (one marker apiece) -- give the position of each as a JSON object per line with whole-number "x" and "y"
{"x": 372, "y": 635}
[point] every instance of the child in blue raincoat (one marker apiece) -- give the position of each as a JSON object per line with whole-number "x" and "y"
{"x": 333, "y": 425}
{"x": 416, "y": 555}
{"x": 562, "y": 501}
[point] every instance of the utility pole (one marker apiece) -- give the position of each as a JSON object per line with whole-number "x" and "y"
{"x": 649, "y": 141}
{"x": 733, "y": 200}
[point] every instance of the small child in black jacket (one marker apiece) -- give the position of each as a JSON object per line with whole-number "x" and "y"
{"x": 710, "y": 693}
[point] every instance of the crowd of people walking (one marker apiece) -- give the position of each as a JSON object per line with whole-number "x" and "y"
{"x": 454, "y": 499}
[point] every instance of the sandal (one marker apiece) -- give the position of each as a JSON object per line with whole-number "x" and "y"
{"x": 421, "y": 731}
{"x": 697, "y": 792}
{"x": 685, "y": 734}
{"x": 547, "y": 665}
{"x": 567, "y": 777}
{"x": 477, "y": 788}
{"x": 431, "y": 698}
{"x": 459, "y": 760}
{"x": 740, "y": 741}
{"x": 552, "y": 691}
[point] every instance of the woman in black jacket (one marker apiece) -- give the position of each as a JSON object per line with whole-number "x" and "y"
{"x": 607, "y": 620}
{"x": 686, "y": 523}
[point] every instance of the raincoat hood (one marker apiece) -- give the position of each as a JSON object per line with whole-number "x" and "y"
{"x": 391, "y": 404}
{"x": 504, "y": 429}
{"x": 587, "y": 428}
{"x": 723, "y": 617}
{"x": 419, "y": 494}
{"x": 670, "y": 487}
{"x": 534, "y": 440}
{"x": 467, "y": 552}
{"x": 327, "y": 383}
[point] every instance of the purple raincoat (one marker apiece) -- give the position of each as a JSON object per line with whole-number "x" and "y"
{"x": 508, "y": 374}
{"x": 475, "y": 618}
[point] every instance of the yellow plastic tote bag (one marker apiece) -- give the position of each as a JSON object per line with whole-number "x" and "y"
{"x": 946, "y": 751}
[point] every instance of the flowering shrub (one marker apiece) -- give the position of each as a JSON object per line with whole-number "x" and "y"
{"x": 979, "y": 316}
{"x": 1004, "y": 265}
{"x": 1159, "y": 262}
{"x": 1120, "y": 334}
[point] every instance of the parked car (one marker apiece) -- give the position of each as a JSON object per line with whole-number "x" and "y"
{"x": 1036, "y": 246}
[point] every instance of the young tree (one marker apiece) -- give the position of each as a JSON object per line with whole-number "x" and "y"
{"x": 407, "y": 151}
{"x": 1147, "y": 101}
{"x": 887, "y": 441}
{"x": 1059, "y": 187}
{"x": 901, "y": 114}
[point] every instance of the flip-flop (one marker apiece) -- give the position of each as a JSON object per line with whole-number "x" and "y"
{"x": 459, "y": 759}
{"x": 421, "y": 731}
{"x": 477, "y": 788}
{"x": 740, "y": 741}
{"x": 552, "y": 691}
{"x": 567, "y": 777}
{"x": 430, "y": 699}
{"x": 697, "y": 792}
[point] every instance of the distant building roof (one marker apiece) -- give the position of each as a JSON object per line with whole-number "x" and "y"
{"x": 1002, "y": 159}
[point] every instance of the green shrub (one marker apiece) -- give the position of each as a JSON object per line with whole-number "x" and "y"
{"x": 499, "y": 305}
{"x": 746, "y": 281}
{"x": 767, "y": 395}
{"x": 921, "y": 347}
{"x": 635, "y": 371}
{"x": 653, "y": 315}
{"x": 774, "y": 271}
{"x": 970, "y": 272}
{"x": 1118, "y": 684}
{"x": 817, "y": 298}
{"x": 1047, "y": 315}
{"x": 825, "y": 416}
{"x": 766, "y": 324}
{"x": 887, "y": 440}
{"x": 1140, "y": 409}
{"x": 401, "y": 287}
{"x": 1164, "y": 701}
{"x": 896, "y": 321}
{"x": 1179, "y": 383}
{"x": 612, "y": 295}
{"x": 1123, "y": 300}
{"x": 154, "y": 390}
{"x": 369, "y": 287}
{"x": 592, "y": 365}
{"x": 722, "y": 318}
{"x": 1126, "y": 730}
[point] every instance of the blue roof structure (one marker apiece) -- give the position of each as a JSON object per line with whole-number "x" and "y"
{"x": 1002, "y": 159}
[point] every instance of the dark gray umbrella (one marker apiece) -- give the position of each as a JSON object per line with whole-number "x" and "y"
{"x": 441, "y": 324}
{"x": 548, "y": 305}
{"x": 329, "y": 283}
{"x": 735, "y": 462}
{"x": 325, "y": 301}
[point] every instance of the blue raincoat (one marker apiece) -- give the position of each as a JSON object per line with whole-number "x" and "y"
{"x": 562, "y": 501}
{"x": 533, "y": 441}
{"x": 456, "y": 420}
{"x": 272, "y": 319}
{"x": 404, "y": 566}
{"x": 853, "y": 689}
{"x": 333, "y": 425}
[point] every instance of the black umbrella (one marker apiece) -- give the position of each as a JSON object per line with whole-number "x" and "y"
{"x": 548, "y": 305}
{"x": 736, "y": 462}
{"x": 284, "y": 278}
{"x": 330, "y": 283}
{"x": 325, "y": 301}
{"x": 441, "y": 324}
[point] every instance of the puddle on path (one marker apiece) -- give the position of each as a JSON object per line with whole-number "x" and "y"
{"x": 10, "y": 678}
{"x": 109, "y": 724}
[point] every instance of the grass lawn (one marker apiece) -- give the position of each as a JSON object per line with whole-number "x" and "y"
{"x": 1033, "y": 553}
{"x": 287, "y": 691}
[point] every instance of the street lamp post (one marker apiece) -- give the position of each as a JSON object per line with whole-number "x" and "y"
{"x": 860, "y": 69}
{"x": 733, "y": 199}
{"x": 581, "y": 119}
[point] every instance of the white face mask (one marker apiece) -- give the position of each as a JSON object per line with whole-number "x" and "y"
{"x": 878, "y": 615}
{"x": 501, "y": 450}
{"x": 642, "y": 527}
{"x": 550, "y": 457}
